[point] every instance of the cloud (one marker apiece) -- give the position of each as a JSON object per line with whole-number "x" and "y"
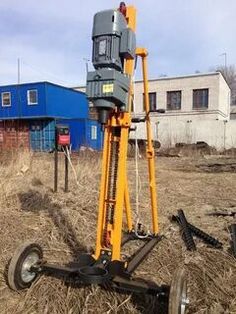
{"x": 52, "y": 38}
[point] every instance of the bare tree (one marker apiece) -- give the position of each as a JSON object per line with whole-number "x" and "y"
{"x": 229, "y": 73}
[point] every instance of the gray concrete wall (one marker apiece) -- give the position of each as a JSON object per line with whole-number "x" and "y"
{"x": 189, "y": 125}
{"x": 217, "y": 133}
{"x": 224, "y": 97}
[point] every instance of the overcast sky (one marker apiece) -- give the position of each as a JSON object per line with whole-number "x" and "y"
{"x": 52, "y": 38}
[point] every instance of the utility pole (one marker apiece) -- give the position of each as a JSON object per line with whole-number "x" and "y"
{"x": 86, "y": 63}
{"x": 225, "y": 58}
{"x": 18, "y": 71}
{"x": 18, "y": 96}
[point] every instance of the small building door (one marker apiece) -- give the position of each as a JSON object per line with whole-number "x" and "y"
{"x": 42, "y": 135}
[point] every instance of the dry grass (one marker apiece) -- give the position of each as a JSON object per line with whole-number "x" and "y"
{"x": 65, "y": 224}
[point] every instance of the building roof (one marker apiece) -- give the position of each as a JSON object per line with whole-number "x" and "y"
{"x": 53, "y": 101}
{"x": 170, "y": 78}
{"x": 42, "y": 82}
{"x": 164, "y": 78}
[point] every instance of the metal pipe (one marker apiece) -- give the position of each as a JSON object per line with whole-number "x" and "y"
{"x": 150, "y": 150}
{"x": 66, "y": 171}
{"x": 55, "y": 169}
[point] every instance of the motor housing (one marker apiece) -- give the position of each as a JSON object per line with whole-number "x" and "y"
{"x": 113, "y": 42}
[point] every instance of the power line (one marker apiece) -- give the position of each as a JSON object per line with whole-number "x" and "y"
{"x": 43, "y": 73}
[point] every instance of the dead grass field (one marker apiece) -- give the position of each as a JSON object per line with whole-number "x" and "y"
{"x": 65, "y": 224}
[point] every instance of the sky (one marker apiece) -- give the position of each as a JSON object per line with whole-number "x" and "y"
{"x": 52, "y": 38}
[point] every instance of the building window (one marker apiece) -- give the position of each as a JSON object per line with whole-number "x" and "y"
{"x": 200, "y": 98}
{"x": 174, "y": 100}
{"x": 152, "y": 101}
{"x": 6, "y": 99}
{"x": 93, "y": 132}
{"x": 32, "y": 97}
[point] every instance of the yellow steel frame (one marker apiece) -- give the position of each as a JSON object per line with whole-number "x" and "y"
{"x": 121, "y": 201}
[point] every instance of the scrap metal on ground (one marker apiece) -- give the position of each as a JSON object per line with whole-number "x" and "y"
{"x": 189, "y": 230}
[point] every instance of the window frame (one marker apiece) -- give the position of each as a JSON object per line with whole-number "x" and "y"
{"x": 9, "y": 93}
{"x": 202, "y": 107}
{"x": 94, "y": 132}
{"x": 167, "y": 98}
{"x": 28, "y": 97}
{"x": 150, "y": 107}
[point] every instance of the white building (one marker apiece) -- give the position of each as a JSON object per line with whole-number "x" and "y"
{"x": 197, "y": 108}
{"x": 198, "y": 96}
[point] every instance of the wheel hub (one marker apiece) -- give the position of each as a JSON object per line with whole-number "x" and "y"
{"x": 26, "y": 274}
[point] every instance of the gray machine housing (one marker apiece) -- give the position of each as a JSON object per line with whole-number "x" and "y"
{"x": 113, "y": 41}
{"x": 117, "y": 92}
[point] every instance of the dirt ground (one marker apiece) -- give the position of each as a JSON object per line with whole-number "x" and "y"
{"x": 65, "y": 223}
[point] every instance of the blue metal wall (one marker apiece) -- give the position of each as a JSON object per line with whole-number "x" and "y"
{"x": 19, "y": 107}
{"x": 81, "y": 133}
{"x": 77, "y": 132}
{"x": 54, "y": 101}
{"x": 56, "y": 104}
{"x": 64, "y": 102}
{"x": 91, "y": 141}
{"x": 42, "y": 135}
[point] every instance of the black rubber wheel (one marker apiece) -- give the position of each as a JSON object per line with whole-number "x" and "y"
{"x": 19, "y": 275}
{"x": 178, "y": 293}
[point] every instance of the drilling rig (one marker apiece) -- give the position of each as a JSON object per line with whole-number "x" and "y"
{"x": 110, "y": 89}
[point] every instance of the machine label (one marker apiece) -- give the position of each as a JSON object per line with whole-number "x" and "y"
{"x": 107, "y": 88}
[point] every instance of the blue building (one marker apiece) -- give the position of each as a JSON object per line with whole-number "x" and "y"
{"x": 29, "y": 113}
